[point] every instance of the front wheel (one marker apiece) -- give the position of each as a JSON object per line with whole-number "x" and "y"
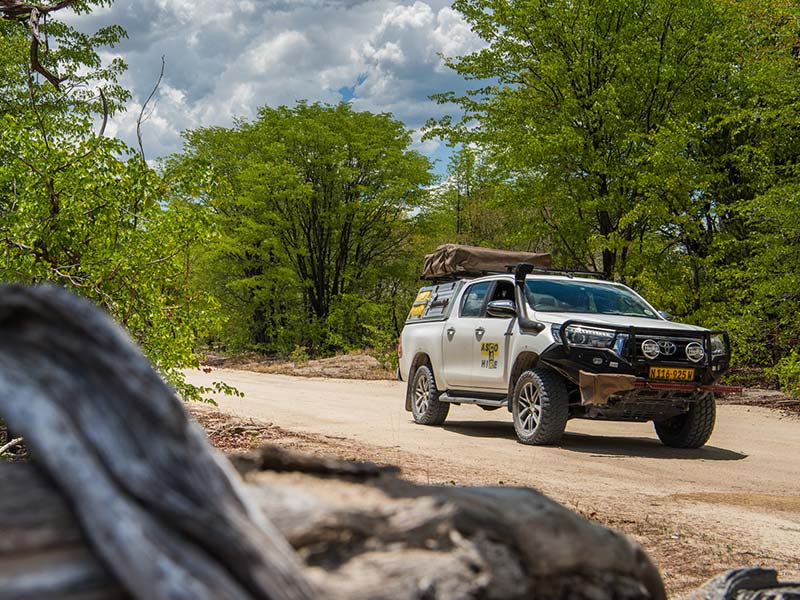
{"x": 425, "y": 405}
{"x": 540, "y": 407}
{"x": 691, "y": 429}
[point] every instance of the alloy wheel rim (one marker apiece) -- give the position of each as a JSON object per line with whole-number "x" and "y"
{"x": 422, "y": 394}
{"x": 530, "y": 407}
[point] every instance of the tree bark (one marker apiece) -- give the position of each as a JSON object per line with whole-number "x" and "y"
{"x": 159, "y": 508}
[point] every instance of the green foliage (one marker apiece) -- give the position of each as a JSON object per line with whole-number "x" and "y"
{"x": 299, "y": 355}
{"x": 655, "y": 141}
{"x": 787, "y": 370}
{"x": 579, "y": 91}
{"x": 83, "y": 211}
{"x": 313, "y": 206}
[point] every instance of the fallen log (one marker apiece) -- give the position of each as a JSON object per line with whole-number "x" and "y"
{"x": 160, "y": 509}
{"x": 126, "y": 498}
{"x": 384, "y": 539}
{"x": 749, "y": 583}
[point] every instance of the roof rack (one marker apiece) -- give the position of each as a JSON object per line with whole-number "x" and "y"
{"x": 510, "y": 269}
{"x": 465, "y": 275}
{"x": 568, "y": 273}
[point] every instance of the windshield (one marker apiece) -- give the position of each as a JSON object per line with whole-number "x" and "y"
{"x": 586, "y": 297}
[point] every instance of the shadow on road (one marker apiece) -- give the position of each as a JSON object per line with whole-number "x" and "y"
{"x": 600, "y": 445}
{"x": 482, "y": 429}
{"x": 639, "y": 446}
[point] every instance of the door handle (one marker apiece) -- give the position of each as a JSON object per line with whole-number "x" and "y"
{"x": 479, "y": 332}
{"x": 451, "y": 331}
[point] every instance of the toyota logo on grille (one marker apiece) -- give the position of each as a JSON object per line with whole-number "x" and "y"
{"x": 667, "y": 348}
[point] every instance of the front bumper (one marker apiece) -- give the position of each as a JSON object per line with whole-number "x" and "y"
{"x": 626, "y": 367}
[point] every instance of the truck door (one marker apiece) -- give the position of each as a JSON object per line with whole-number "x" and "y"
{"x": 490, "y": 360}
{"x": 460, "y": 336}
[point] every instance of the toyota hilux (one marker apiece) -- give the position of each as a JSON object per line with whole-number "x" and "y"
{"x": 554, "y": 345}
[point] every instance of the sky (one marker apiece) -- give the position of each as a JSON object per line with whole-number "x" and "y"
{"x": 226, "y": 58}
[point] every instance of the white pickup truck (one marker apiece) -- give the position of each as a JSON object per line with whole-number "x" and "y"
{"x": 551, "y": 347}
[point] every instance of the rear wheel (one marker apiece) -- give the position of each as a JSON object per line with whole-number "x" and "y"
{"x": 540, "y": 407}
{"x": 425, "y": 405}
{"x": 691, "y": 429}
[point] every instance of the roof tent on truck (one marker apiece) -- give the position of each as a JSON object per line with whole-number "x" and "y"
{"x": 450, "y": 264}
{"x": 453, "y": 261}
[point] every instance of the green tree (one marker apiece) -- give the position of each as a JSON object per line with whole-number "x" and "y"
{"x": 575, "y": 92}
{"x": 656, "y": 141}
{"x": 314, "y": 203}
{"x": 83, "y": 211}
{"x": 474, "y": 205}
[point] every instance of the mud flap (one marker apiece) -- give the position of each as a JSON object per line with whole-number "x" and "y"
{"x": 596, "y": 388}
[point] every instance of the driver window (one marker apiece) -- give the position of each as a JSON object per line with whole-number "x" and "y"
{"x": 504, "y": 290}
{"x": 472, "y": 305}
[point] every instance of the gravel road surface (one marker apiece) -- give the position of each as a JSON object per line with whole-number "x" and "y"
{"x": 736, "y": 499}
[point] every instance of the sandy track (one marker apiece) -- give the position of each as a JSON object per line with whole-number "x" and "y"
{"x": 734, "y": 502}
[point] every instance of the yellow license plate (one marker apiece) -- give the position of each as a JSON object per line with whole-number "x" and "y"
{"x": 672, "y": 374}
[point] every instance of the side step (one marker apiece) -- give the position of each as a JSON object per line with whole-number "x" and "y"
{"x": 456, "y": 398}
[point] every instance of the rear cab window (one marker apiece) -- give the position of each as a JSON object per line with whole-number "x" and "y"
{"x": 433, "y": 302}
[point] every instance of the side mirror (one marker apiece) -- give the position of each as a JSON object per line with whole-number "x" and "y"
{"x": 502, "y": 309}
{"x": 665, "y": 315}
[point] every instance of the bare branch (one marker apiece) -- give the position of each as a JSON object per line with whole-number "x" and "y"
{"x": 141, "y": 119}
{"x": 105, "y": 113}
{"x": 33, "y": 25}
{"x": 10, "y": 445}
{"x": 14, "y": 10}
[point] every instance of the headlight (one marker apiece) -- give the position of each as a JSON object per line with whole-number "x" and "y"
{"x": 589, "y": 337}
{"x": 718, "y": 346}
{"x": 619, "y": 343}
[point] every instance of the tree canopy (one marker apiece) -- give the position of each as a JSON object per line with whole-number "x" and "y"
{"x": 655, "y": 141}
{"x": 82, "y": 210}
{"x": 314, "y": 204}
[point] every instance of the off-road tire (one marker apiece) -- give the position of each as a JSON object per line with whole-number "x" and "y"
{"x": 540, "y": 407}
{"x": 691, "y": 429}
{"x": 425, "y": 406}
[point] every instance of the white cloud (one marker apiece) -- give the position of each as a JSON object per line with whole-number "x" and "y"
{"x": 282, "y": 50}
{"x": 452, "y": 35}
{"x": 417, "y": 16}
{"x": 428, "y": 147}
{"x": 227, "y": 58}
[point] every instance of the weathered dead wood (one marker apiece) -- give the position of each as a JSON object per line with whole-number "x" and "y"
{"x": 161, "y": 511}
{"x": 12, "y": 444}
{"x": 386, "y": 540}
{"x": 270, "y": 457}
{"x": 391, "y": 539}
{"x": 753, "y": 583}
{"x": 43, "y": 553}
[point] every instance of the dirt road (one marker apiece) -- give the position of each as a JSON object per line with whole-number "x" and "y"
{"x": 734, "y": 502}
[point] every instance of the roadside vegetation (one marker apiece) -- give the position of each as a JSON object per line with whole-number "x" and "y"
{"x": 657, "y": 142}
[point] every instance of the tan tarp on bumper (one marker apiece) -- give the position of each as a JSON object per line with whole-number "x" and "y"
{"x": 596, "y": 388}
{"x": 450, "y": 259}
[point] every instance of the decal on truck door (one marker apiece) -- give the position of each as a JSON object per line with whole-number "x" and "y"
{"x": 489, "y": 351}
